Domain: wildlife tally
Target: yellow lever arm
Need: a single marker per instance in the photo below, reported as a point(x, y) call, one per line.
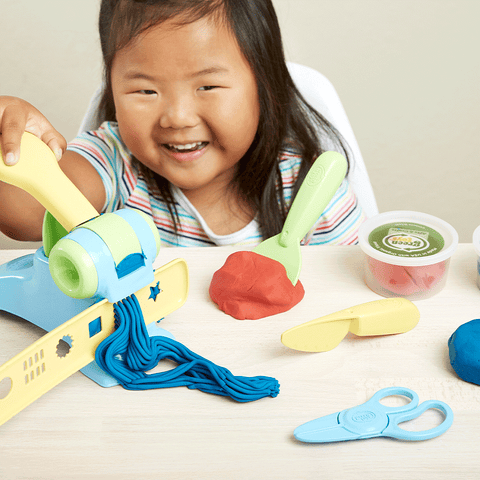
point(37, 172)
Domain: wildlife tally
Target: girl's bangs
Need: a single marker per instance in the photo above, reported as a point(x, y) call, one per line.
point(133, 17)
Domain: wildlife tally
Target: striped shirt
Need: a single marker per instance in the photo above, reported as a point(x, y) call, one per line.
point(126, 187)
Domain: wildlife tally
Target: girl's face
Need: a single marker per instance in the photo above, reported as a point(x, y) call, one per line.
point(186, 103)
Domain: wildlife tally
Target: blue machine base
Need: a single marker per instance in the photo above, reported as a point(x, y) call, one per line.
point(28, 291)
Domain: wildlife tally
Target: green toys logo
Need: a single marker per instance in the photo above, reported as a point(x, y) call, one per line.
point(406, 240)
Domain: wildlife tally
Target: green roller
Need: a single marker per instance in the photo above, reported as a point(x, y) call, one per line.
point(72, 269)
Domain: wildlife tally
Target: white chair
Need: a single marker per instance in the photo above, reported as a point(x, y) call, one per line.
point(320, 93)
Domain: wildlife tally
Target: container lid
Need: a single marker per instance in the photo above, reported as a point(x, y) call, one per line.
point(408, 238)
point(476, 240)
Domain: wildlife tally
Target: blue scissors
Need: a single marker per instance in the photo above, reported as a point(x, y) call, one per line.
point(372, 419)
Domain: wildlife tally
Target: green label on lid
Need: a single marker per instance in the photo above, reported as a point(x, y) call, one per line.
point(405, 239)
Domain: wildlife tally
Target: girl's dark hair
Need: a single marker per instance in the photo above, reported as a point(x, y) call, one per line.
point(285, 116)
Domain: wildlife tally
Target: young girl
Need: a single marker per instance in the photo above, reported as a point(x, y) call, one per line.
point(200, 126)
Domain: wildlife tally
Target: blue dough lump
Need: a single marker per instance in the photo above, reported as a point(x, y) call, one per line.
point(464, 351)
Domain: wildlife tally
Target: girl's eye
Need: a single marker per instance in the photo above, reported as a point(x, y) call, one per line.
point(207, 88)
point(147, 92)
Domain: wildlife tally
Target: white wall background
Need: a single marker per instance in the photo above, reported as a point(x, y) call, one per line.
point(407, 71)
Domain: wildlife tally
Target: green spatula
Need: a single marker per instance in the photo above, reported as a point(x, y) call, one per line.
point(318, 188)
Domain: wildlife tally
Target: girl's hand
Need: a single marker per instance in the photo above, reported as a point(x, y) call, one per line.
point(18, 116)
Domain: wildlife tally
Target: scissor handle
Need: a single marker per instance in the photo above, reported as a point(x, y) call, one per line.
point(394, 391)
point(393, 430)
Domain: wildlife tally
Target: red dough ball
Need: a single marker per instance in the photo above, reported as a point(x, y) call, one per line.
point(251, 286)
point(426, 277)
point(392, 277)
point(406, 280)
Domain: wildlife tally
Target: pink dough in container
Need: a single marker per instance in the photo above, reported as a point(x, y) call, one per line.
point(407, 254)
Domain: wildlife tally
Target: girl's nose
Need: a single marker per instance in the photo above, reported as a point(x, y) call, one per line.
point(179, 112)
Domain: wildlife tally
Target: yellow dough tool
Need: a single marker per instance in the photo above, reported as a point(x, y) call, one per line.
point(381, 317)
point(38, 173)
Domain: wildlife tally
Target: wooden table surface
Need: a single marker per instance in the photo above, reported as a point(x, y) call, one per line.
point(79, 430)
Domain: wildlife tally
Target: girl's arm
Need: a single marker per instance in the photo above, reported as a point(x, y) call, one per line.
point(21, 216)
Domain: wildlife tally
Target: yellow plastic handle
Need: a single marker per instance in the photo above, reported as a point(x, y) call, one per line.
point(44, 365)
point(37, 172)
point(381, 317)
point(388, 316)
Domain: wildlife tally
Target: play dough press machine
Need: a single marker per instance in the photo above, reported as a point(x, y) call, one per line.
point(68, 286)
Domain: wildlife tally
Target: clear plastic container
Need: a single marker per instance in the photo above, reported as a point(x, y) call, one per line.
point(476, 246)
point(407, 254)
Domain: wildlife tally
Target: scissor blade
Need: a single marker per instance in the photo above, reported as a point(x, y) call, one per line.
point(323, 430)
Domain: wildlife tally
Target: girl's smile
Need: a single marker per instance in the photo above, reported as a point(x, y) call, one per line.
point(186, 152)
point(187, 105)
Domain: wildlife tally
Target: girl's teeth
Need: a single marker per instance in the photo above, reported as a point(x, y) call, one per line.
point(185, 147)
point(188, 146)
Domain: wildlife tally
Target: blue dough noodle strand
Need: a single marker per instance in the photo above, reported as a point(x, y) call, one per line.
point(129, 352)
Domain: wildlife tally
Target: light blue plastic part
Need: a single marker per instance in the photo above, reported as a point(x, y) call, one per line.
point(113, 281)
point(28, 291)
point(372, 419)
